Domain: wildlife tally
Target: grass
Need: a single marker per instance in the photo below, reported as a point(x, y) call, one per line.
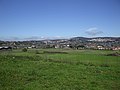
point(73, 70)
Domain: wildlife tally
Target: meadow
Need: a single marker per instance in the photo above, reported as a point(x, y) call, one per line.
point(59, 69)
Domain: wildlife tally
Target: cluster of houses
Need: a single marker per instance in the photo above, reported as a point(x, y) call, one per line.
point(74, 43)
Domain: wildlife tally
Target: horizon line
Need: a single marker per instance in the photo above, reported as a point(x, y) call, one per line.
point(48, 38)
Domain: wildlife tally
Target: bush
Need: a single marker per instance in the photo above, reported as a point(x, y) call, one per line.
point(105, 65)
point(37, 52)
point(24, 49)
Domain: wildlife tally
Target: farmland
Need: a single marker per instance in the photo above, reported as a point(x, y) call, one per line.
point(59, 69)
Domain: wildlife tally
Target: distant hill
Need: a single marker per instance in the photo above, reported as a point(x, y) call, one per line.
point(95, 38)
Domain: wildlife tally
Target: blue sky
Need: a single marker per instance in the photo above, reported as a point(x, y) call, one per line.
point(59, 18)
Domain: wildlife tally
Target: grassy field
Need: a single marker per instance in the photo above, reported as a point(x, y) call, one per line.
point(57, 69)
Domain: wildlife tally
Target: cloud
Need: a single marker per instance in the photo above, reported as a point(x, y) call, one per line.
point(56, 37)
point(9, 38)
point(93, 31)
point(30, 38)
point(14, 38)
point(38, 38)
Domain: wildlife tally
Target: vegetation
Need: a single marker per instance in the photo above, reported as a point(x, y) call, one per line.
point(24, 49)
point(57, 69)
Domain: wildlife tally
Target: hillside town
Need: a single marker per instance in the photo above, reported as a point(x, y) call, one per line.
point(98, 43)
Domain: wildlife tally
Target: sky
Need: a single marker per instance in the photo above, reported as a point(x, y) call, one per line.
point(39, 19)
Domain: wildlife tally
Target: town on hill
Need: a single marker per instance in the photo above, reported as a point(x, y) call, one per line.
point(100, 43)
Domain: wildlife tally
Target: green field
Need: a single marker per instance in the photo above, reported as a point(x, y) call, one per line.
point(58, 69)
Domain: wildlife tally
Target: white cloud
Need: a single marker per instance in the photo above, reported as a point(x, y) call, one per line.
point(93, 31)
point(9, 38)
point(30, 38)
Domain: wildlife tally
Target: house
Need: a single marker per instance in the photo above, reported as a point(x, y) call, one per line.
point(100, 47)
point(116, 48)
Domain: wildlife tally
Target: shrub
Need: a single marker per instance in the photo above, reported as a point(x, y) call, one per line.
point(24, 49)
point(104, 65)
point(37, 52)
